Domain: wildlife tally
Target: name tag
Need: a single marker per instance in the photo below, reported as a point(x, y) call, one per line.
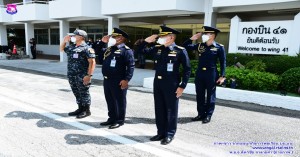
point(170, 67)
point(75, 55)
point(113, 63)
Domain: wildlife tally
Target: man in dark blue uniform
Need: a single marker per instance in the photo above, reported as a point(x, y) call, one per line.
point(207, 75)
point(81, 65)
point(98, 49)
point(168, 83)
point(117, 70)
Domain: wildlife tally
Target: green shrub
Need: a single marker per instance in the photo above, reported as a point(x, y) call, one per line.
point(291, 80)
point(256, 65)
point(253, 80)
point(274, 64)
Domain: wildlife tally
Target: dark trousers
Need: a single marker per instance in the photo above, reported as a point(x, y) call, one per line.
point(205, 83)
point(81, 91)
point(166, 106)
point(33, 52)
point(116, 100)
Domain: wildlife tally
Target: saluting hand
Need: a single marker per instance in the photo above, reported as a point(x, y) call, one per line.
point(151, 39)
point(67, 39)
point(179, 92)
point(105, 39)
point(124, 84)
point(196, 36)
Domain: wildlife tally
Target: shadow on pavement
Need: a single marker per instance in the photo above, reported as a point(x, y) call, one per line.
point(79, 139)
point(43, 122)
point(138, 120)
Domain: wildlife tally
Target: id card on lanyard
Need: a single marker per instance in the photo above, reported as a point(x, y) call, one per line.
point(113, 62)
point(170, 67)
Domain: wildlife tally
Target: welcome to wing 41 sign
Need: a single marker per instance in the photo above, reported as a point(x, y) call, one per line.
point(264, 37)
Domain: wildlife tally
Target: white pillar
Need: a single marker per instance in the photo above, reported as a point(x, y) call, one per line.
point(295, 42)
point(210, 17)
point(25, 1)
point(29, 33)
point(233, 37)
point(112, 22)
point(3, 35)
point(64, 27)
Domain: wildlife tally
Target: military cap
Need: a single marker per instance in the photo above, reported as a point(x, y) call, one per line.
point(79, 32)
point(118, 31)
point(164, 30)
point(207, 29)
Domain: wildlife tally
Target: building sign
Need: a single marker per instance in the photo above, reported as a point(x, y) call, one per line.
point(11, 9)
point(264, 37)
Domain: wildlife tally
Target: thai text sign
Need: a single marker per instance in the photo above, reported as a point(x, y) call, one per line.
point(264, 37)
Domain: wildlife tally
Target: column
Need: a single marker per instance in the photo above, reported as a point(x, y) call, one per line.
point(29, 33)
point(64, 27)
point(210, 17)
point(295, 42)
point(233, 36)
point(3, 35)
point(112, 22)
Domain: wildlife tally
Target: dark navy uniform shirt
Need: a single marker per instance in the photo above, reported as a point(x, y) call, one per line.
point(209, 55)
point(123, 58)
point(78, 58)
point(173, 54)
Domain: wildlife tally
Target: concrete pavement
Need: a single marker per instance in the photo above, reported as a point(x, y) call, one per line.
point(34, 122)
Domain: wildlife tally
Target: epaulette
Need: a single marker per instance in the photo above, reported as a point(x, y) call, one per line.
point(127, 48)
point(182, 48)
point(221, 44)
point(158, 45)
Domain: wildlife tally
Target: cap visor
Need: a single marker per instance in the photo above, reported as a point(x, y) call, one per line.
point(71, 34)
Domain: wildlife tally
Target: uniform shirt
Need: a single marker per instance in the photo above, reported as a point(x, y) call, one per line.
point(78, 58)
point(208, 55)
point(122, 55)
point(173, 54)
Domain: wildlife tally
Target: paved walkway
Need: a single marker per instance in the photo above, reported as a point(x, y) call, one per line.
point(60, 68)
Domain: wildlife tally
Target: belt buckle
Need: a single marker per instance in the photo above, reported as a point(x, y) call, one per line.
point(203, 68)
point(159, 77)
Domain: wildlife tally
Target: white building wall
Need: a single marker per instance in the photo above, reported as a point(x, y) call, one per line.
point(48, 49)
point(230, 3)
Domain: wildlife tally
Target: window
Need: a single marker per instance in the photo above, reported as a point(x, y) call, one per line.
point(54, 36)
point(41, 36)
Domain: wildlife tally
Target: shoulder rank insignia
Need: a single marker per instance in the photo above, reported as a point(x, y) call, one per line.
point(221, 45)
point(126, 47)
point(182, 48)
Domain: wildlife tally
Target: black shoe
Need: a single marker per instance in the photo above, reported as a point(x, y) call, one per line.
point(198, 118)
point(86, 112)
point(206, 119)
point(76, 112)
point(157, 138)
point(106, 123)
point(114, 126)
point(166, 140)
